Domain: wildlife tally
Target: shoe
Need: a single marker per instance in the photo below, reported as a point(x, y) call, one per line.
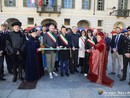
point(85, 75)
point(119, 76)
point(2, 79)
point(129, 83)
point(50, 75)
point(112, 73)
point(76, 70)
point(14, 79)
point(81, 72)
point(122, 79)
point(72, 72)
point(67, 74)
point(55, 74)
point(61, 74)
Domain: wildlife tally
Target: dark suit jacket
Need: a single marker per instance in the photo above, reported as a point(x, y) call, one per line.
point(48, 42)
point(120, 44)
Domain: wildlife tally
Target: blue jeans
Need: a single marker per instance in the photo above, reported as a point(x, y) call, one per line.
point(64, 65)
point(44, 62)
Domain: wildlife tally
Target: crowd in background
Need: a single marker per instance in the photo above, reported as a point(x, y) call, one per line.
point(67, 51)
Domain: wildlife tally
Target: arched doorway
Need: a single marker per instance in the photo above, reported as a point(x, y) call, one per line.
point(83, 24)
point(10, 21)
point(47, 22)
point(119, 24)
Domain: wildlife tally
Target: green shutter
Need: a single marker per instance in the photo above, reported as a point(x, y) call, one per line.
point(119, 4)
point(125, 4)
point(55, 2)
point(6, 3)
point(24, 3)
point(62, 3)
point(82, 4)
point(89, 5)
point(73, 3)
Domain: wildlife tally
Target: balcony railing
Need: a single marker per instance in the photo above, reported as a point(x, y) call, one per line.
point(122, 13)
point(49, 9)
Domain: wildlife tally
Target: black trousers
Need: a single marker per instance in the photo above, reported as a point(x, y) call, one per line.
point(86, 68)
point(74, 61)
point(82, 64)
point(17, 64)
point(8, 62)
point(1, 65)
point(126, 61)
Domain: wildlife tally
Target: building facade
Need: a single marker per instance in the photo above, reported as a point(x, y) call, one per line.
point(100, 14)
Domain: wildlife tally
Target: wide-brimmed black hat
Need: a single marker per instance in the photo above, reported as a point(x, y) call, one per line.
point(17, 23)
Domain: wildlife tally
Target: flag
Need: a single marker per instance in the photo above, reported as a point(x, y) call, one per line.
point(51, 3)
point(40, 2)
point(32, 1)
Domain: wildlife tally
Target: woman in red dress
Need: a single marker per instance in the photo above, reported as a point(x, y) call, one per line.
point(98, 62)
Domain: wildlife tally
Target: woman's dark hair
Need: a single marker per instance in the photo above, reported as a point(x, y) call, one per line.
point(82, 32)
point(89, 31)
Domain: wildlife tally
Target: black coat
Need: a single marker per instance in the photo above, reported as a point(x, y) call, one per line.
point(120, 44)
point(34, 68)
point(64, 54)
point(2, 42)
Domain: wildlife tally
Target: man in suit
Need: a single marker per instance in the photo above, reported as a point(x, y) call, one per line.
point(50, 41)
point(126, 55)
point(117, 52)
point(5, 33)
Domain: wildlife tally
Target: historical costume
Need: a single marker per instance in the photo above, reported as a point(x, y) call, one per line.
point(98, 62)
point(33, 68)
point(15, 45)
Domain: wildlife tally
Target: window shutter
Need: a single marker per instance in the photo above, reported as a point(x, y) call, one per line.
point(73, 3)
point(125, 4)
point(62, 3)
point(89, 5)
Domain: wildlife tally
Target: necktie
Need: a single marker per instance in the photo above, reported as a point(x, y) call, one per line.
point(116, 41)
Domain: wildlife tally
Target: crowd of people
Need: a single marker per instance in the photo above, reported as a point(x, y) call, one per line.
point(72, 51)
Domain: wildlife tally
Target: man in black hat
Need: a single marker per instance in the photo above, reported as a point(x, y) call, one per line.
point(17, 44)
point(126, 55)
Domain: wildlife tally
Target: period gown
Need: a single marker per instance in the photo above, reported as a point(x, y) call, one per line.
point(98, 62)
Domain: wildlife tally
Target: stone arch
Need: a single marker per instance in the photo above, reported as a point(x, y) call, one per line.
point(47, 22)
point(10, 21)
point(83, 23)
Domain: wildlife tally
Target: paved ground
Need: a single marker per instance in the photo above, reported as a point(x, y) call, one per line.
point(75, 86)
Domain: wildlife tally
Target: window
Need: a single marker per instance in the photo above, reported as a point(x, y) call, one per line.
point(86, 4)
point(100, 5)
point(50, 2)
point(66, 21)
point(29, 3)
point(68, 3)
point(122, 4)
point(10, 3)
point(30, 21)
point(100, 22)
